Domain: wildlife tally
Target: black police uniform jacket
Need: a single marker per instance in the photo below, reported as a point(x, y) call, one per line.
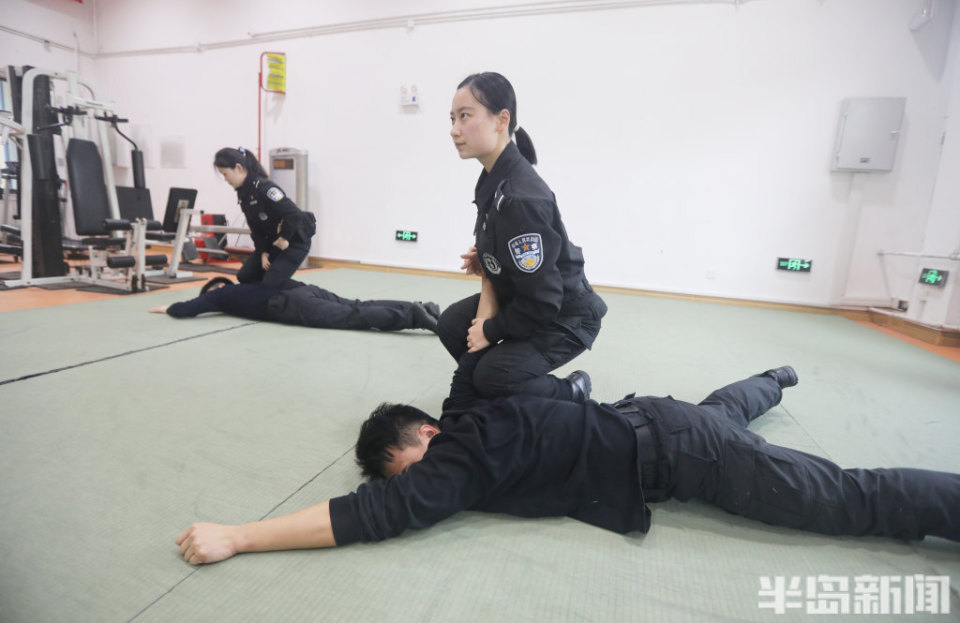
point(522, 245)
point(521, 455)
point(266, 205)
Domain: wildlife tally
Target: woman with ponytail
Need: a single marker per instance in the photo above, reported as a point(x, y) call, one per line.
point(280, 230)
point(536, 310)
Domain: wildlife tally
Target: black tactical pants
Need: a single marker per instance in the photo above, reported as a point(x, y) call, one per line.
point(282, 265)
point(311, 306)
point(512, 366)
point(707, 453)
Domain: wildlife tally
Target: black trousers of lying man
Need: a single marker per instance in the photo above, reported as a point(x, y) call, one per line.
point(598, 463)
point(305, 305)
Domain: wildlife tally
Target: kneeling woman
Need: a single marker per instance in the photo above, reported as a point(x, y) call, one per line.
point(280, 230)
point(536, 310)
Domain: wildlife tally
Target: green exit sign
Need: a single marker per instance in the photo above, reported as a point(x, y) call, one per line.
point(934, 277)
point(406, 235)
point(794, 264)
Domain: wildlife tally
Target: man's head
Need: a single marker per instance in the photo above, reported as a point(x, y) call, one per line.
point(215, 284)
point(393, 438)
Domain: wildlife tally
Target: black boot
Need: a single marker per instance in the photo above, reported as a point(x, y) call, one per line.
point(423, 319)
point(785, 376)
point(433, 309)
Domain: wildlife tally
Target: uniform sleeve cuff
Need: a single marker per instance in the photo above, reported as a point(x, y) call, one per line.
point(344, 520)
point(492, 330)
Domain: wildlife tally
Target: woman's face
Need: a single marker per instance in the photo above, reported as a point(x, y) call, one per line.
point(476, 132)
point(234, 176)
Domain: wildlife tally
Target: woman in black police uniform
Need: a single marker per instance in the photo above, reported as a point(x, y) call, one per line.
point(536, 311)
point(280, 230)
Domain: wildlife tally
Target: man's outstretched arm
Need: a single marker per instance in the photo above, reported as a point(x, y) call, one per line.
point(304, 529)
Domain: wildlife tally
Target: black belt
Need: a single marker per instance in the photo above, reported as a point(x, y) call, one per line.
point(647, 447)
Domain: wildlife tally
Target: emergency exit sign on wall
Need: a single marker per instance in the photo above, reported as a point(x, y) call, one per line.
point(406, 235)
point(794, 264)
point(934, 277)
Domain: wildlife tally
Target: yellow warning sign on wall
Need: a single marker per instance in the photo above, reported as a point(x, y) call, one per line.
point(276, 76)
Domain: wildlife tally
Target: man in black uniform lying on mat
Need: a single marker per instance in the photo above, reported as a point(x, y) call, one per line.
point(301, 304)
point(599, 463)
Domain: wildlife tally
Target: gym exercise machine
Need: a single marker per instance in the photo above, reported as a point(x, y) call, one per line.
point(116, 247)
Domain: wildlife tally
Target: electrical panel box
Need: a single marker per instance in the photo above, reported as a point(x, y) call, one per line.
point(867, 133)
point(288, 169)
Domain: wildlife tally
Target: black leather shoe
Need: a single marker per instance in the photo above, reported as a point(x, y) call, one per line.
point(785, 376)
point(580, 386)
point(423, 319)
point(433, 309)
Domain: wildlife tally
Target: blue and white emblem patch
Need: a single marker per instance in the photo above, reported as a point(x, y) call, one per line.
point(527, 252)
point(275, 194)
point(491, 264)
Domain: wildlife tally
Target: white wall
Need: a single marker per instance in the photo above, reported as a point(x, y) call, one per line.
point(67, 25)
point(689, 145)
point(942, 237)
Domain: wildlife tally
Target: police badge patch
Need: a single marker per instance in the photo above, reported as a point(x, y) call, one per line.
point(275, 194)
point(527, 252)
point(491, 263)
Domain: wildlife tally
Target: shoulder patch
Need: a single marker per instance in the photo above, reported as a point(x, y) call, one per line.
point(274, 194)
point(491, 263)
point(527, 252)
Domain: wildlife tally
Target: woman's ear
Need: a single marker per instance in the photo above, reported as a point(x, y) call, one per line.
point(503, 121)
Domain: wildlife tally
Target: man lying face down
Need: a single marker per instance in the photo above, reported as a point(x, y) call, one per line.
point(598, 463)
point(306, 305)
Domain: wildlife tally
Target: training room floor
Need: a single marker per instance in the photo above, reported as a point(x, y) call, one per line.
point(119, 428)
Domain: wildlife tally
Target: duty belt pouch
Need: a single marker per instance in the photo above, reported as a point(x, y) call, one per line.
point(652, 471)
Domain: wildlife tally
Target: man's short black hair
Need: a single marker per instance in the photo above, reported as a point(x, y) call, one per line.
point(390, 426)
point(216, 282)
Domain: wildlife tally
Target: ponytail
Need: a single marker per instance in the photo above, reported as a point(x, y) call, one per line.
point(525, 145)
point(228, 158)
point(496, 93)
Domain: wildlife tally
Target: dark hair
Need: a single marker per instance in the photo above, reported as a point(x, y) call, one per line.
point(496, 93)
point(390, 426)
point(216, 282)
point(228, 157)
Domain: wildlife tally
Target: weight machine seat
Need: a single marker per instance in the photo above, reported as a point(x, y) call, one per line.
point(135, 203)
point(104, 242)
point(91, 208)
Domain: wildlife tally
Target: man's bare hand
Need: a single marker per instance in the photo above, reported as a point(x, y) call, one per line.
point(204, 543)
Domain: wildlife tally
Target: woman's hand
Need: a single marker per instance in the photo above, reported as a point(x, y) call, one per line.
point(476, 340)
point(471, 263)
point(265, 260)
point(158, 310)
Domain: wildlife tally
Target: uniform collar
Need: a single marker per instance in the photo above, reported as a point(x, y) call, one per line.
point(248, 185)
point(488, 182)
